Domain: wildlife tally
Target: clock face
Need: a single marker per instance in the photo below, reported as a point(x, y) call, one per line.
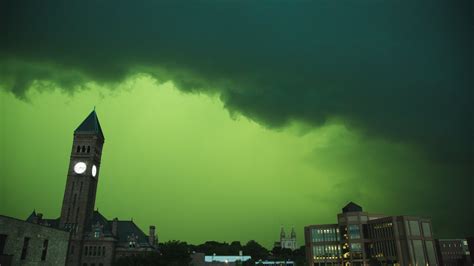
point(80, 167)
point(94, 170)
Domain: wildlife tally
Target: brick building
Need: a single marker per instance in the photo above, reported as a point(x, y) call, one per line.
point(95, 240)
point(23, 243)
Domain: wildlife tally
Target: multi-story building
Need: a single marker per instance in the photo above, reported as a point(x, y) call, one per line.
point(94, 239)
point(453, 252)
point(361, 238)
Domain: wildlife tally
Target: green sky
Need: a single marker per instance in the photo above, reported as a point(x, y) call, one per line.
point(225, 120)
point(182, 162)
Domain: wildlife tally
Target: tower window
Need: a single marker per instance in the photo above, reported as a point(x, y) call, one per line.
point(85, 250)
point(77, 214)
point(74, 200)
point(83, 148)
point(88, 149)
point(78, 148)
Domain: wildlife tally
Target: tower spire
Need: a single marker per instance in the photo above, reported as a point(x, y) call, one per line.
point(90, 125)
point(282, 233)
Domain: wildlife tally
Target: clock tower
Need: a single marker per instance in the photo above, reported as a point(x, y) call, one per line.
point(82, 178)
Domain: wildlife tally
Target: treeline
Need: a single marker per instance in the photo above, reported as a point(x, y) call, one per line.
point(179, 253)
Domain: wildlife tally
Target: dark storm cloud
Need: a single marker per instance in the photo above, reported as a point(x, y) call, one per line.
point(395, 69)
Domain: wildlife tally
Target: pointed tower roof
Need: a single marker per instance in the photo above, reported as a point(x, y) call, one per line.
point(90, 125)
point(282, 232)
point(352, 207)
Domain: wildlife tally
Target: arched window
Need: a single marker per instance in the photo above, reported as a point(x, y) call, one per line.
point(78, 148)
point(85, 251)
point(88, 149)
point(83, 148)
point(103, 251)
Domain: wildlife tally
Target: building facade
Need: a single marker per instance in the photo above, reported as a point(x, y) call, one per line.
point(94, 239)
point(453, 252)
point(23, 243)
point(287, 242)
point(361, 238)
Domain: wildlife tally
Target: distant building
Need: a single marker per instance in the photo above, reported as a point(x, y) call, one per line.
point(23, 243)
point(95, 240)
point(470, 244)
point(360, 238)
point(287, 242)
point(453, 252)
point(275, 262)
point(200, 259)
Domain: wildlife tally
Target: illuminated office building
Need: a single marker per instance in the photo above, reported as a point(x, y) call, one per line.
point(361, 238)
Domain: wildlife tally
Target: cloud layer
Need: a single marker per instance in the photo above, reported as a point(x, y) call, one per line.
point(400, 70)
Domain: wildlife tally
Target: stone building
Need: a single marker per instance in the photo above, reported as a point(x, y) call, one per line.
point(23, 243)
point(95, 240)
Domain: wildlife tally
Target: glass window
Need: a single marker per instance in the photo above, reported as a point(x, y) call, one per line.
point(419, 255)
point(426, 229)
point(414, 228)
point(430, 252)
point(354, 231)
point(356, 247)
point(352, 218)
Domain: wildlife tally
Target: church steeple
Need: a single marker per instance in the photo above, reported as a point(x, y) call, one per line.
point(90, 125)
point(293, 233)
point(282, 233)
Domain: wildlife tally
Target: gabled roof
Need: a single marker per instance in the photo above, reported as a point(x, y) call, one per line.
point(128, 228)
point(98, 218)
point(125, 229)
point(90, 125)
point(352, 207)
point(32, 217)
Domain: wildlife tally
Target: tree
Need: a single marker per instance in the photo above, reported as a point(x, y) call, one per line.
point(255, 250)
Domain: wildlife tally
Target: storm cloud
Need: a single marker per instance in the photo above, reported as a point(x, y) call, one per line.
point(400, 70)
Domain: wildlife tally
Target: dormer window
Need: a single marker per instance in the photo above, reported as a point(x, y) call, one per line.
point(97, 230)
point(132, 241)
